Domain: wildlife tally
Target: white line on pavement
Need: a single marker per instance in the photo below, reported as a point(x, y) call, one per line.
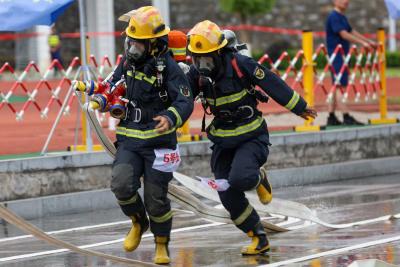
point(333, 252)
point(48, 252)
point(82, 228)
point(55, 251)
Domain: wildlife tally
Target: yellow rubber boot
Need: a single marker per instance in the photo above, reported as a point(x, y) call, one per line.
point(133, 238)
point(162, 252)
point(264, 188)
point(259, 243)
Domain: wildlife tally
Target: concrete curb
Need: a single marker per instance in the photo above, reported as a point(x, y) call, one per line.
point(103, 199)
point(69, 203)
point(202, 148)
point(334, 172)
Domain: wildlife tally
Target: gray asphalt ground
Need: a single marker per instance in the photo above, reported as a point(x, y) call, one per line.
point(219, 245)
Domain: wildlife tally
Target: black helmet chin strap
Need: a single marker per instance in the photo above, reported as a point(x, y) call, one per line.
point(159, 47)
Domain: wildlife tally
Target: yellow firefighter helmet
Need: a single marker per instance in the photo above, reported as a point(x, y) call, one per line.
point(206, 37)
point(146, 23)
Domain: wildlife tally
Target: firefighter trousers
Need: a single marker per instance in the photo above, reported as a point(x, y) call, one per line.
point(240, 167)
point(127, 169)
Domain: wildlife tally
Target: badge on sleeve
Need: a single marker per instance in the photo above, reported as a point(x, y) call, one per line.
point(184, 90)
point(259, 73)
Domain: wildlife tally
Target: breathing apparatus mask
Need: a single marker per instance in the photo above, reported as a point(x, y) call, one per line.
point(204, 65)
point(136, 50)
point(207, 64)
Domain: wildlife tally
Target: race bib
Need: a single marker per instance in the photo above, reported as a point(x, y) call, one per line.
point(219, 184)
point(167, 160)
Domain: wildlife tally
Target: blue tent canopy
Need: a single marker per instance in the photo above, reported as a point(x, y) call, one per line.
point(19, 15)
point(393, 7)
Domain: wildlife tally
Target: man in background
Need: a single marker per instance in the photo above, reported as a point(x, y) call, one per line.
point(55, 47)
point(339, 31)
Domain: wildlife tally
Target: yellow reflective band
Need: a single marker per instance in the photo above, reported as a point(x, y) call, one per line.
point(129, 201)
point(150, 80)
point(178, 51)
point(245, 214)
point(147, 134)
point(239, 130)
point(178, 117)
point(141, 76)
point(163, 218)
point(54, 40)
point(293, 101)
point(227, 99)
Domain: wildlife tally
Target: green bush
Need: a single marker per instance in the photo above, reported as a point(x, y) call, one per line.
point(393, 59)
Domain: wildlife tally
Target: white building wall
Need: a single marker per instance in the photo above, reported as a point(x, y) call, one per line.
point(100, 19)
point(42, 49)
point(392, 37)
point(163, 6)
point(26, 50)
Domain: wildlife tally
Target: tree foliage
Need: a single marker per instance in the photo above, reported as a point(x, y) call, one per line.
point(246, 8)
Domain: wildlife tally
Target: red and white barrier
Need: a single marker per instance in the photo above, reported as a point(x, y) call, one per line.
point(364, 79)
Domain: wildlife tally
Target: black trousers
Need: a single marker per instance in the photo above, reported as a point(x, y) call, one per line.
point(240, 166)
point(127, 169)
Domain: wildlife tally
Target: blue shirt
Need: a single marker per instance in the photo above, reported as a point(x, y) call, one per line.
point(336, 23)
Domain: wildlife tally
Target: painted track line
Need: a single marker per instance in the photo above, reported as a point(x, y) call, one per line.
point(55, 251)
point(334, 251)
point(81, 228)
point(120, 240)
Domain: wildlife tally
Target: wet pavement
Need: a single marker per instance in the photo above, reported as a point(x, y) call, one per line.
point(213, 244)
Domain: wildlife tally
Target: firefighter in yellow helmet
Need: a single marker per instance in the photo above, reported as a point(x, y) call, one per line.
point(225, 81)
point(55, 47)
point(159, 101)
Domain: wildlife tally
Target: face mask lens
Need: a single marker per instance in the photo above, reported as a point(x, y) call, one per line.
point(134, 49)
point(204, 64)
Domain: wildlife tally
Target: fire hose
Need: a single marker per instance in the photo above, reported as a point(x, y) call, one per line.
point(183, 196)
point(277, 206)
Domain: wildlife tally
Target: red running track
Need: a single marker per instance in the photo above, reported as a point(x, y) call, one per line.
point(29, 135)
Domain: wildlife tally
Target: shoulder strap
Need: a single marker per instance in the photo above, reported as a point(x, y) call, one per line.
point(259, 95)
point(124, 66)
point(204, 104)
point(245, 83)
point(161, 75)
